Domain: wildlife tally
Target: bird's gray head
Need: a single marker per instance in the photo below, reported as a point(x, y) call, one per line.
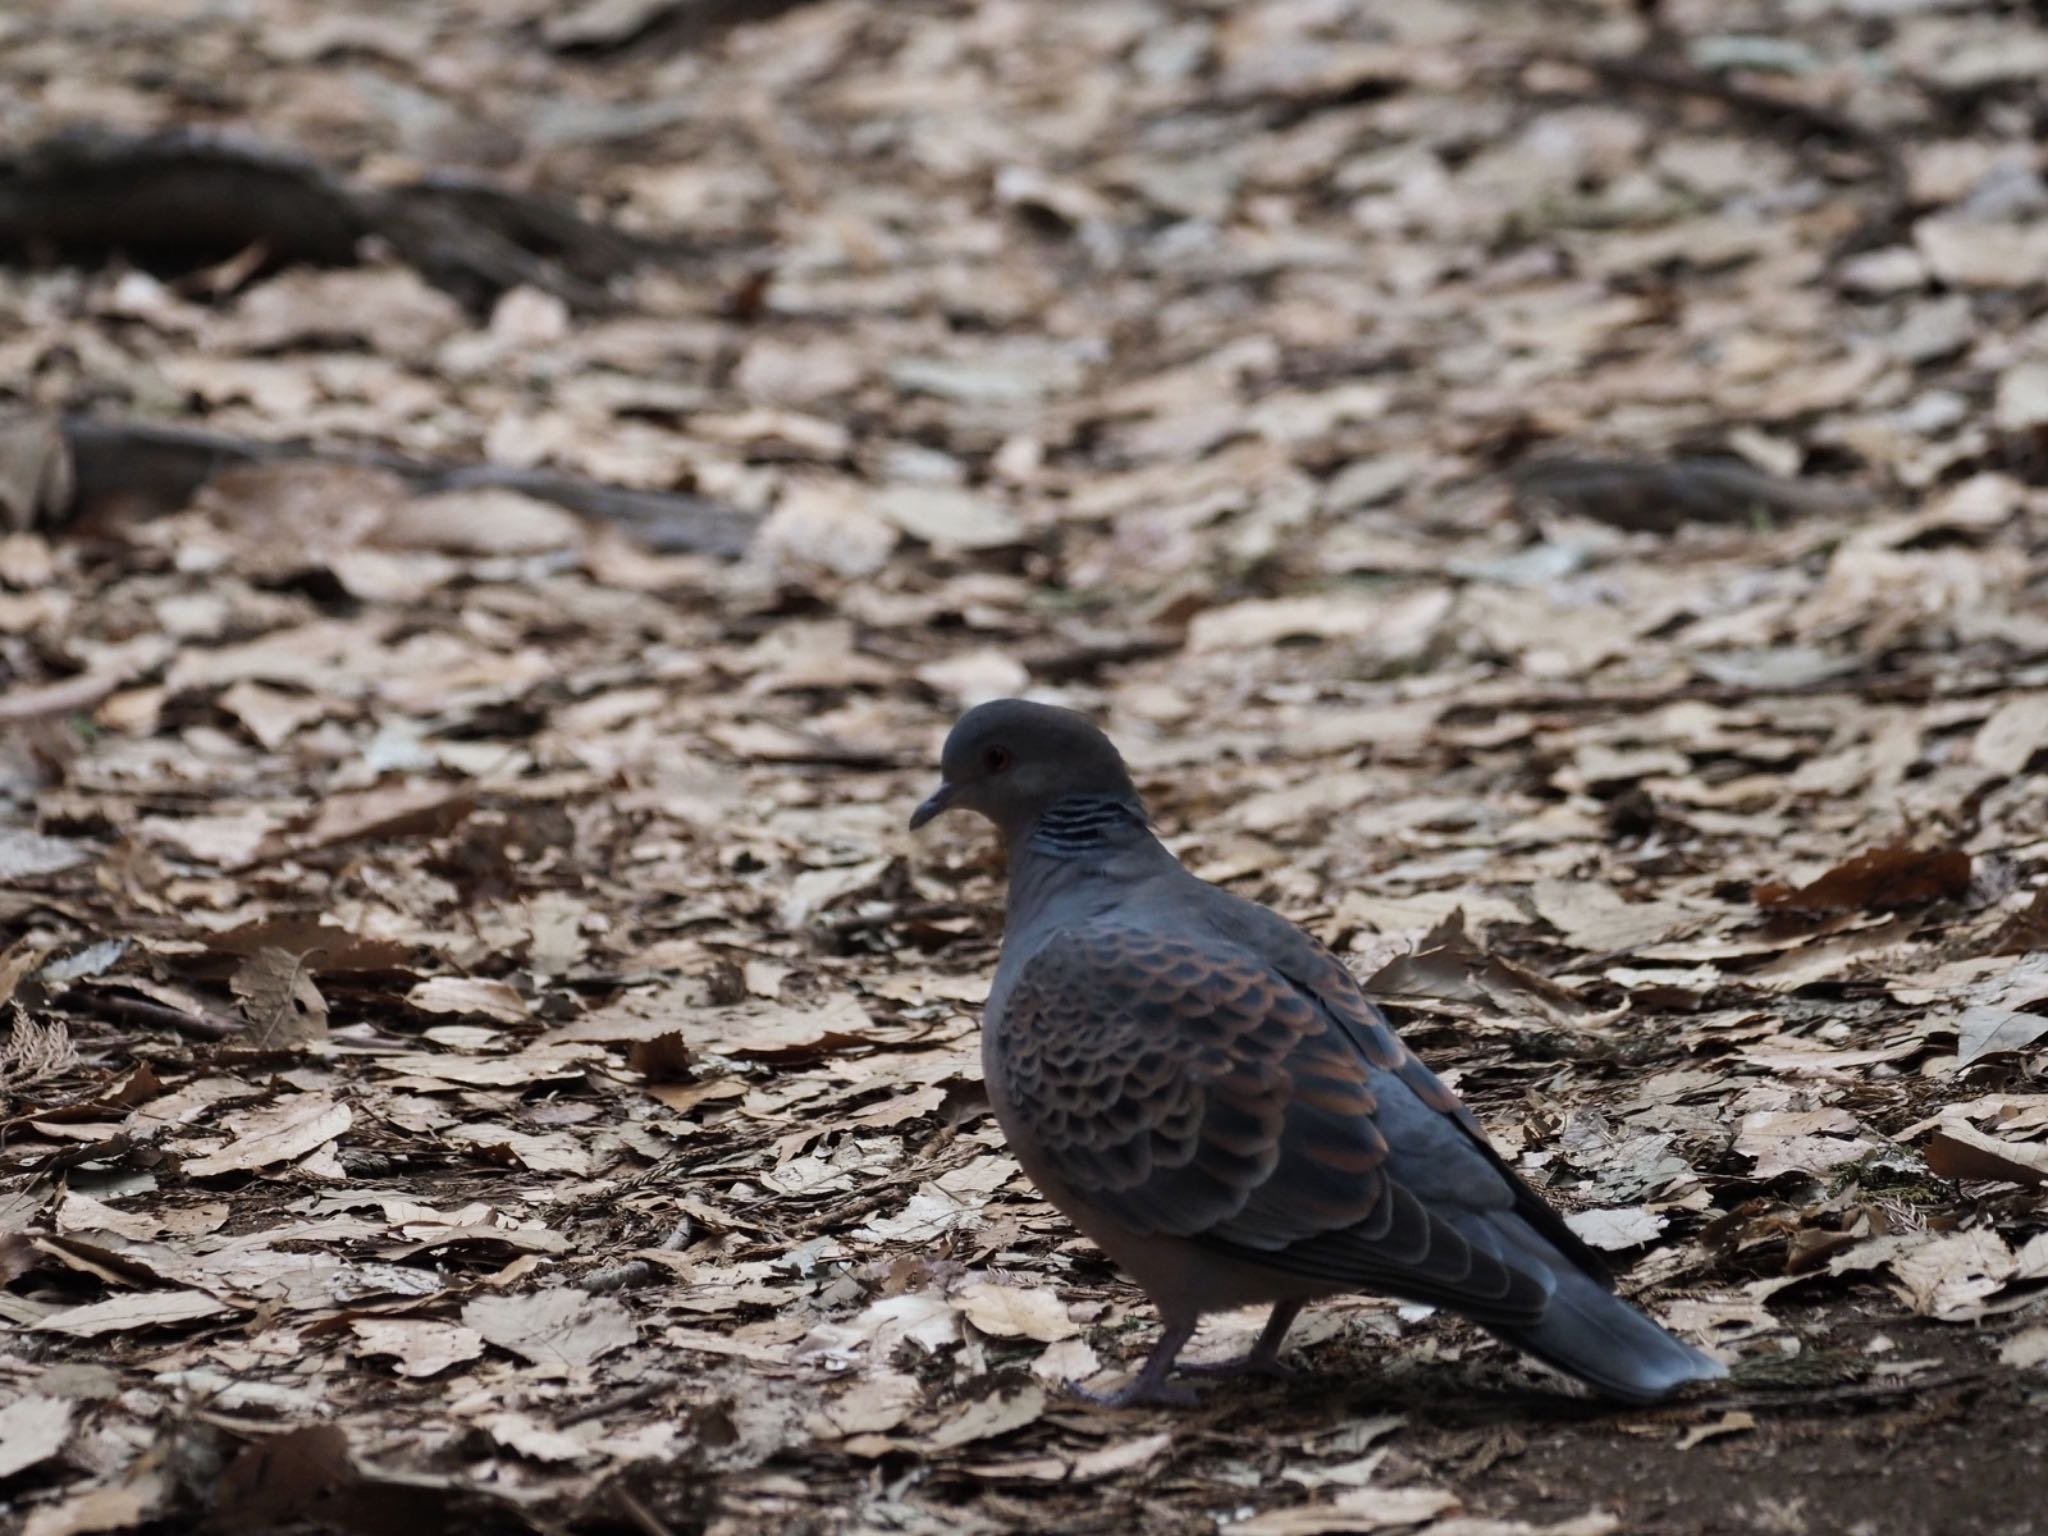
point(1010, 759)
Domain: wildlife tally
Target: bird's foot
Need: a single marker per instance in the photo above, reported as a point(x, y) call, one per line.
point(1139, 1393)
point(1263, 1367)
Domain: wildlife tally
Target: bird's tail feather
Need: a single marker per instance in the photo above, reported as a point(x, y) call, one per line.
point(1588, 1332)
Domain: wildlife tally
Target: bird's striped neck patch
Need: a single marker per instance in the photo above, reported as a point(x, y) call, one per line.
point(1085, 823)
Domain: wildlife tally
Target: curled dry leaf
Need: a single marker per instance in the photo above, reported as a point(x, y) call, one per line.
point(1958, 1151)
point(1448, 964)
point(542, 1152)
point(1951, 1275)
point(873, 1403)
point(764, 1029)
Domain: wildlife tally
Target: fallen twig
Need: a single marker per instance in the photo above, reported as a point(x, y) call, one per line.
point(156, 468)
point(198, 1026)
point(185, 200)
point(617, 1277)
point(1847, 1392)
point(1656, 497)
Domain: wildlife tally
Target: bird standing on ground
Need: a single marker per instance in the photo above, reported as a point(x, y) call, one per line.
point(1206, 1093)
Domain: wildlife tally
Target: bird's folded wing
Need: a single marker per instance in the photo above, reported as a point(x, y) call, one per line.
point(1187, 1088)
point(1316, 971)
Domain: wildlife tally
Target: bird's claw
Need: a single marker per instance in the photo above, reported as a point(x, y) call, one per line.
point(1140, 1393)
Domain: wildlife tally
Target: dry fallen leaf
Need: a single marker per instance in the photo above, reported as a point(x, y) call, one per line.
point(1877, 881)
point(1734, 1422)
point(283, 1006)
point(141, 1309)
point(1985, 1031)
point(1560, 492)
point(1950, 1276)
point(469, 994)
point(32, 1430)
point(1355, 1510)
point(287, 1129)
point(1959, 1152)
point(1800, 1141)
point(1013, 1311)
point(107, 1507)
point(999, 1412)
point(2026, 1349)
point(421, 1346)
point(559, 1329)
point(1618, 1228)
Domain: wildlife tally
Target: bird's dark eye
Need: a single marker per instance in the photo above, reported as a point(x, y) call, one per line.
point(996, 759)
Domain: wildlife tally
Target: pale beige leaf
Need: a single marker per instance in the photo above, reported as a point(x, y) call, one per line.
point(525, 1436)
point(277, 1133)
point(138, 1309)
point(1800, 1141)
point(32, 1430)
point(1616, 1228)
point(470, 994)
point(998, 1413)
point(948, 516)
point(1354, 1510)
point(486, 521)
point(1015, 1311)
point(116, 1507)
point(421, 1346)
point(1984, 1031)
point(871, 1404)
point(1949, 1276)
point(2026, 1349)
point(81, 1213)
point(542, 1152)
point(560, 1328)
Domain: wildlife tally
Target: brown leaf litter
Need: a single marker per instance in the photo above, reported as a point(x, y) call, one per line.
point(477, 1044)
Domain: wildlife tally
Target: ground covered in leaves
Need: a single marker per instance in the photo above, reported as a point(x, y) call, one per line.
point(1552, 496)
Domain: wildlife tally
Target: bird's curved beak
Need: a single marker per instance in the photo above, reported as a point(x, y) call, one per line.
point(939, 800)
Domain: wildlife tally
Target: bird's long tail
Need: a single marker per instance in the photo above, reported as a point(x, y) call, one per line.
point(1588, 1332)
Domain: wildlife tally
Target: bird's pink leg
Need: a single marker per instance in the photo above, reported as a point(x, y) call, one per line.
point(1264, 1358)
point(1150, 1385)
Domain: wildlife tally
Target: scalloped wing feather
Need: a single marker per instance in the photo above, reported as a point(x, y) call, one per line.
point(1189, 1089)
